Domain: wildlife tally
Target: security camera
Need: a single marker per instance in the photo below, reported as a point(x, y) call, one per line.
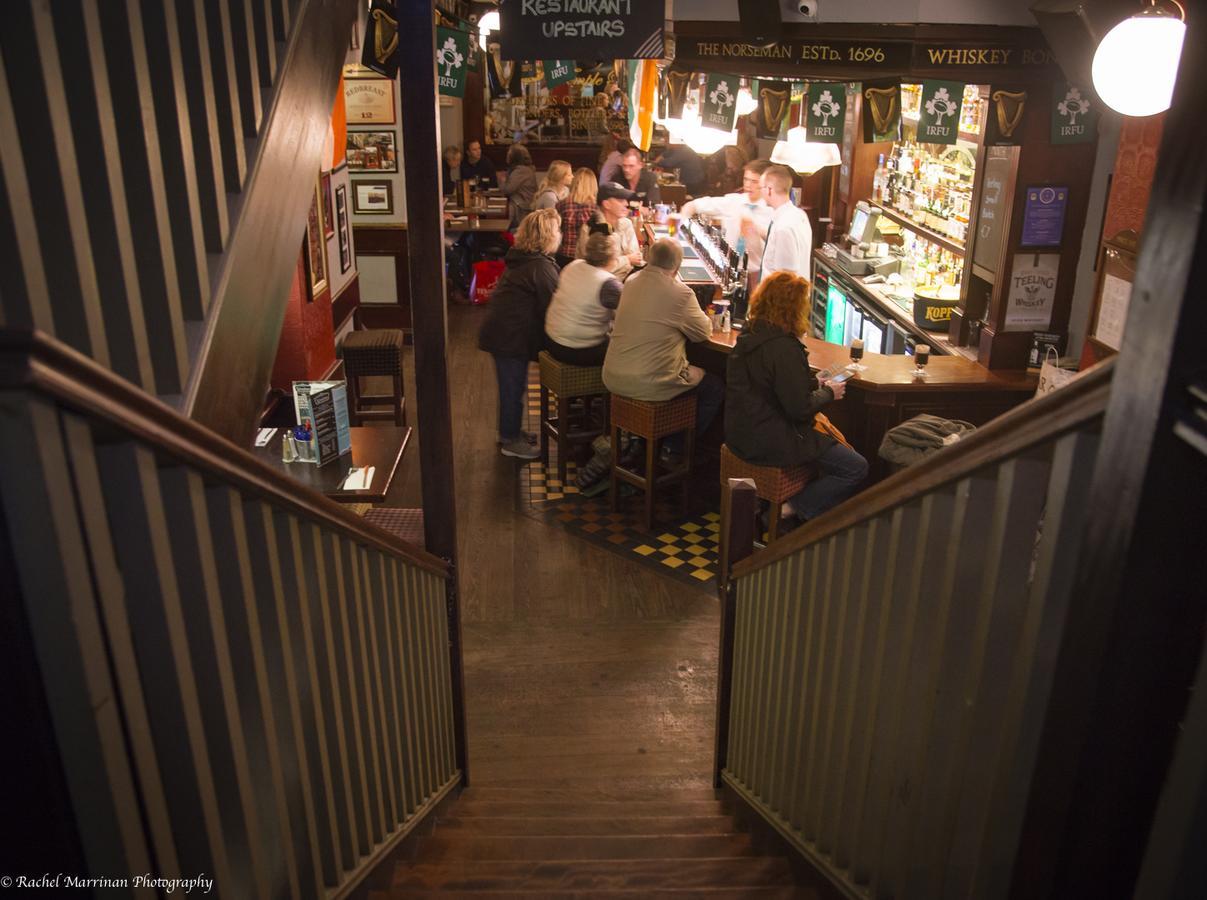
point(807, 8)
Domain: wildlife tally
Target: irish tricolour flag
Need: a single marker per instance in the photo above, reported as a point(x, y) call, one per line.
point(643, 92)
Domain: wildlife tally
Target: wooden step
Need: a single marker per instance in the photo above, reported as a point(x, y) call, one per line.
point(678, 846)
point(723, 893)
point(620, 794)
point(466, 808)
point(566, 825)
point(639, 875)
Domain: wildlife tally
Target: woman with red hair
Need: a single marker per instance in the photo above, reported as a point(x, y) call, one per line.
point(772, 397)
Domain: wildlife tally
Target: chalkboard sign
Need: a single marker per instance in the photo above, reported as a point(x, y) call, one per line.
point(992, 219)
point(581, 29)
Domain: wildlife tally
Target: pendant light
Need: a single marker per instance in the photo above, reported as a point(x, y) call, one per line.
point(805, 156)
point(1136, 64)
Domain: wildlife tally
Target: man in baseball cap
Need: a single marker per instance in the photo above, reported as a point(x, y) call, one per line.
point(613, 210)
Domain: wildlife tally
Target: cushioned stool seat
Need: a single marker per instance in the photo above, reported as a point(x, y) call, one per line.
point(404, 523)
point(374, 351)
point(775, 484)
point(568, 383)
point(651, 421)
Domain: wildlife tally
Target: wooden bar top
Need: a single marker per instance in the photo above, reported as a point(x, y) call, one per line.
point(894, 373)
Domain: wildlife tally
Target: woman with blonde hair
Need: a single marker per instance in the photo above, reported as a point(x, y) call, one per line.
point(554, 187)
point(576, 210)
point(772, 398)
point(514, 329)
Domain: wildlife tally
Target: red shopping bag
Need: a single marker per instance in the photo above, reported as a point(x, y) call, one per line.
point(486, 273)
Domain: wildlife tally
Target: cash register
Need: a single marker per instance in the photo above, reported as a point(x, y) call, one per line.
point(854, 259)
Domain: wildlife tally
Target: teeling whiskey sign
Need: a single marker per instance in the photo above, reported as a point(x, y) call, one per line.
point(887, 56)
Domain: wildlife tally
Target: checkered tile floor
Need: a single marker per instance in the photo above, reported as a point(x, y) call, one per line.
point(685, 549)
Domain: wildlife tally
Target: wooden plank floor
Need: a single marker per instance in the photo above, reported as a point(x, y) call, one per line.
point(581, 666)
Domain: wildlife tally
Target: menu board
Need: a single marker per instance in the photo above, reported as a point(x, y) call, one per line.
point(992, 217)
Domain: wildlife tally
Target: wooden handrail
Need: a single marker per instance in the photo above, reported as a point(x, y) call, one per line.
point(35, 361)
point(1006, 436)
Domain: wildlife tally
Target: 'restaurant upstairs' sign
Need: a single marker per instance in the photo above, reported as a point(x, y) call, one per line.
point(581, 29)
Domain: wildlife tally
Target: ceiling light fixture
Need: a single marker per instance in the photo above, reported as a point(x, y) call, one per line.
point(1136, 64)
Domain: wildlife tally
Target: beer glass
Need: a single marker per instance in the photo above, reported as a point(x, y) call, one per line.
point(856, 355)
point(921, 358)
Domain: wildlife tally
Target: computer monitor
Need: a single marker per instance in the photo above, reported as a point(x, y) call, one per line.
point(873, 335)
point(836, 315)
point(854, 324)
point(863, 224)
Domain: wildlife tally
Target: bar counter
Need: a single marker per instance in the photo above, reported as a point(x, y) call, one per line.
point(887, 392)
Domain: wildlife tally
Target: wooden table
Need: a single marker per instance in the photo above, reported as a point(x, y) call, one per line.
point(477, 225)
point(380, 446)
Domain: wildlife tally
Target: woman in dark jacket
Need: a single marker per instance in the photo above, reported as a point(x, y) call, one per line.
point(514, 329)
point(772, 398)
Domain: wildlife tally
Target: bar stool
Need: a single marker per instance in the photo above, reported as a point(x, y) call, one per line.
point(403, 523)
point(568, 383)
point(652, 420)
point(374, 352)
point(775, 484)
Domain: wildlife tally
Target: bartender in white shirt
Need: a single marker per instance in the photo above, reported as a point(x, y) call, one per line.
point(789, 239)
point(745, 214)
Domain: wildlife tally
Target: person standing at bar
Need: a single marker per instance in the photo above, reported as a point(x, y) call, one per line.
point(689, 164)
point(514, 330)
point(745, 213)
point(639, 179)
point(789, 240)
point(475, 165)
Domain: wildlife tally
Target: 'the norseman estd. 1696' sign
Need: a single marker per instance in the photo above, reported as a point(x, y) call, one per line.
point(581, 29)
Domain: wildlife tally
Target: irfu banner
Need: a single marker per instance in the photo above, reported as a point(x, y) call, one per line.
point(452, 56)
point(939, 121)
point(1074, 118)
point(718, 106)
point(825, 112)
point(558, 71)
point(881, 111)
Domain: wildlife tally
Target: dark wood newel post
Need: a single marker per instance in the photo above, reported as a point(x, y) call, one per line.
point(738, 505)
point(425, 252)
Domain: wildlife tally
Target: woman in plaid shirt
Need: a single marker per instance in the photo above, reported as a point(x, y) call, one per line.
point(576, 211)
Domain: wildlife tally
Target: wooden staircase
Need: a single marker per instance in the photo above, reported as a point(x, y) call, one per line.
point(520, 842)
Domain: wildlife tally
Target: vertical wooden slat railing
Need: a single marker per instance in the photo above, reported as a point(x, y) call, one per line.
point(163, 117)
point(240, 677)
point(892, 661)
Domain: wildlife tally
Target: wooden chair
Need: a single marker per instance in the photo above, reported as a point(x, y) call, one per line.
point(772, 483)
point(368, 353)
point(568, 383)
point(651, 421)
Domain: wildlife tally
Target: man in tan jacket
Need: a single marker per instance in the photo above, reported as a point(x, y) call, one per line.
point(647, 356)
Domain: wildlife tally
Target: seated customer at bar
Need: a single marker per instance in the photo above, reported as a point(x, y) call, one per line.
point(580, 314)
point(614, 210)
point(450, 169)
point(647, 356)
point(576, 210)
point(475, 165)
point(772, 398)
point(554, 187)
point(638, 179)
point(514, 330)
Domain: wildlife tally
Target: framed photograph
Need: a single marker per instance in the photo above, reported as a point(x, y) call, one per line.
point(372, 151)
point(325, 196)
point(369, 101)
point(341, 226)
point(316, 246)
point(373, 197)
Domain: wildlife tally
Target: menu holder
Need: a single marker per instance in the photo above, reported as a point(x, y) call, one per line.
point(324, 405)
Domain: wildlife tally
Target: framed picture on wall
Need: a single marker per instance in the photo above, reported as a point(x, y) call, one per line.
point(341, 226)
point(369, 101)
point(370, 198)
point(316, 246)
point(325, 196)
point(372, 151)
